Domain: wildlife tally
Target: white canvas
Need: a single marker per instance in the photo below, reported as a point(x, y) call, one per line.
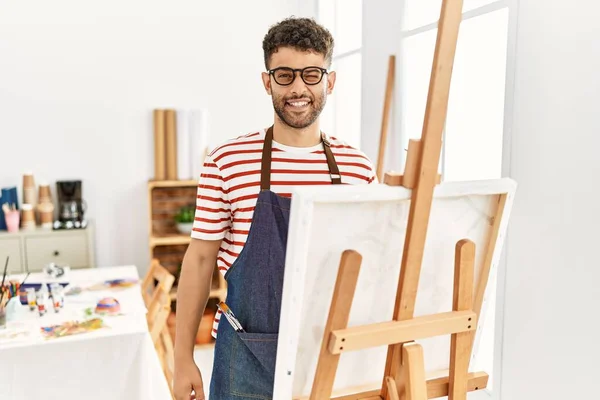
point(372, 219)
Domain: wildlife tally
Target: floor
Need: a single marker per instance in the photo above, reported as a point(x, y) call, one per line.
point(204, 361)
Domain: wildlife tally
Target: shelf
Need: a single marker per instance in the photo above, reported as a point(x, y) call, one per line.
point(165, 242)
point(169, 240)
point(39, 231)
point(169, 184)
point(214, 294)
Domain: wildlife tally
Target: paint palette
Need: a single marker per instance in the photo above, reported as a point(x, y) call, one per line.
point(108, 305)
point(72, 328)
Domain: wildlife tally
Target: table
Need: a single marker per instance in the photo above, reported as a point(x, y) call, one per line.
point(116, 362)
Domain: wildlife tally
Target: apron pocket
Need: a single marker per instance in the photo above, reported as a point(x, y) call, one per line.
point(252, 364)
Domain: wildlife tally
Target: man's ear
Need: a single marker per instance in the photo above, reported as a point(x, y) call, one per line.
point(267, 82)
point(330, 81)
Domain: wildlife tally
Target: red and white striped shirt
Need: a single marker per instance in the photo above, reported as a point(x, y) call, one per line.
point(230, 183)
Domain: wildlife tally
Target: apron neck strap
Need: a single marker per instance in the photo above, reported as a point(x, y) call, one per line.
point(265, 170)
point(334, 172)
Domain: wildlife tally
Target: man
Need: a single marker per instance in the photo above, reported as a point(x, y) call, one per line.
point(243, 211)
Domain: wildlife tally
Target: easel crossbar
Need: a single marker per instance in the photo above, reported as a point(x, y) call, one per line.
point(392, 332)
point(436, 388)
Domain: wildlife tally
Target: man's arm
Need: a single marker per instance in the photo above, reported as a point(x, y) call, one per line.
point(211, 224)
point(192, 294)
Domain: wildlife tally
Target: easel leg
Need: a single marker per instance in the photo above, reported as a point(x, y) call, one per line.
point(339, 313)
point(414, 367)
point(400, 372)
point(460, 345)
point(392, 389)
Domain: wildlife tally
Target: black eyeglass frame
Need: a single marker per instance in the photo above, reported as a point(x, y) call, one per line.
point(301, 70)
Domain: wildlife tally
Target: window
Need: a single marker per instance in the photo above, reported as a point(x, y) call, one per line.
point(474, 124)
point(420, 13)
point(342, 115)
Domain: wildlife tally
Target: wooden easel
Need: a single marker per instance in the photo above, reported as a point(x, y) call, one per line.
point(394, 179)
point(385, 120)
point(404, 376)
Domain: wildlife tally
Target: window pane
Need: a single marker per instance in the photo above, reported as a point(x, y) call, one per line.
point(348, 26)
point(474, 126)
point(474, 122)
point(344, 20)
point(414, 71)
point(418, 13)
point(327, 118)
point(327, 15)
point(347, 94)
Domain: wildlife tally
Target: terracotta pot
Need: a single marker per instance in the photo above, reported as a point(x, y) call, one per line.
point(171, 325)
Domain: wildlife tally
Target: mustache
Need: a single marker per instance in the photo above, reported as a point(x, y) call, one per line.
point(300, 96)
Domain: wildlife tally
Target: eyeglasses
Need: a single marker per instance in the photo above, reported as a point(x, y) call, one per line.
point(285, 76)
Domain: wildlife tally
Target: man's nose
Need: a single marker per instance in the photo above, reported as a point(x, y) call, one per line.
point(298, 86)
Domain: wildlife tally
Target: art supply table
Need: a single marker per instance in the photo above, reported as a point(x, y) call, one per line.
point(117, 361)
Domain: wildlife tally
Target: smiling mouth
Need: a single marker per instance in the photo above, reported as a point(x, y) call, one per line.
point(297, 104)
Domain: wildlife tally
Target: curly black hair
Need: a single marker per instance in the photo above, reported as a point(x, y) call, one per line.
point(301, 34)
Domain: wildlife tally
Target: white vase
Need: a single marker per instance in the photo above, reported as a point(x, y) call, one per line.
point(185, 227)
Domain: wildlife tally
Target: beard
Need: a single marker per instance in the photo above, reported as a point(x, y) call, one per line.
point(299, 119)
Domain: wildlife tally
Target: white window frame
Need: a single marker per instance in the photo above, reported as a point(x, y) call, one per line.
point(334, 60)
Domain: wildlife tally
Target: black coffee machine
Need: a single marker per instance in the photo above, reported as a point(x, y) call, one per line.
point(71, 206)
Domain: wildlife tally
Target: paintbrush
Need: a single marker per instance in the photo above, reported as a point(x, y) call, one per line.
point(230, 317)
point(18, 285)
point(24, 279)
point(4, 278)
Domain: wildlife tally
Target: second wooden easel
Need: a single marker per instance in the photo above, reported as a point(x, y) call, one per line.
point(404, 376)
point(407, 179)
point(385, 120)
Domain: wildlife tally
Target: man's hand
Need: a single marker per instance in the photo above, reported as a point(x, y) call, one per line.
point(187, 378)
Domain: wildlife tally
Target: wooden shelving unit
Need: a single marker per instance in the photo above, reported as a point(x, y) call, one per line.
point(172, 184)
point(171, 240)
point(168, 245)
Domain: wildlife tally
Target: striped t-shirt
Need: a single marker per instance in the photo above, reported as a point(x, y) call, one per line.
point(230, 183)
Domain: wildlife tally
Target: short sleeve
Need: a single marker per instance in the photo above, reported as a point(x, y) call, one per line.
point(213, 208)
point(371, 176)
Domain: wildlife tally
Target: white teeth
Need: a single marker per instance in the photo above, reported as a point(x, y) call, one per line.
point(299, 103)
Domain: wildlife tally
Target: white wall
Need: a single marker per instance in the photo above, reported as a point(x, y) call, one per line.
point(551, 329)
point(79, 80)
